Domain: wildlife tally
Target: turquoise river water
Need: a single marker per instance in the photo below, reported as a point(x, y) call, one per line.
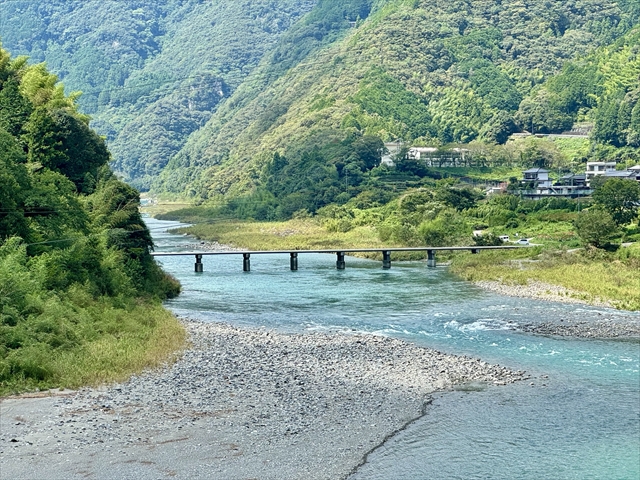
point(580, 418)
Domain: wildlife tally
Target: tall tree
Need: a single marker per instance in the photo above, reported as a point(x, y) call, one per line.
point(595, 227)
point(620, 198)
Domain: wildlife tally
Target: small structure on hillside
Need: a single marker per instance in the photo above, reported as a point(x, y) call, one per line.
point(392, 149)
point(537, 177)
point(433, 157)
point(572, 180)
point(497, 189)
point(599, 168)
point(421, 153)
point(631, 174)
point(541, 186)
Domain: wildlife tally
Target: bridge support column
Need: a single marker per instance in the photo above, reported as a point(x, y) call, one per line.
point(198, 266)
point(246, 263)
point(340, 263)
point(294, 262)
point(386, 260)
point(431, 258)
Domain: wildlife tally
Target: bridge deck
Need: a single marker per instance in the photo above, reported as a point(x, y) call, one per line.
point(334, 250)
point(340, 263)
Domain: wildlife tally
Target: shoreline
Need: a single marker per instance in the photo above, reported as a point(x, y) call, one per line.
point(605, 328)
point(240, 403)
point(541, 291)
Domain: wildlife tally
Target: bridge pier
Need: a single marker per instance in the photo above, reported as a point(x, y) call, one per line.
point(431, 258)
point(246, 262)
point(340, 263)
point(386, 260)
point(198, 266)
point(293, 261)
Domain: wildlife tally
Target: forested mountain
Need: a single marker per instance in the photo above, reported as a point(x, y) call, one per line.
point(289, 101)
point(151, 72)
point(424, 71)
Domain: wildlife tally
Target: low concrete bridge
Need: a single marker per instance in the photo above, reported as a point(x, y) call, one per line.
point(340, 254)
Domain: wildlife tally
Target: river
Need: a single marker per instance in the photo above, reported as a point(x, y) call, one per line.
point(578, 416)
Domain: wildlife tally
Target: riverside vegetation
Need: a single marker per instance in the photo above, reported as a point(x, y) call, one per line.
point(79, 292)
point(576, 243)
point(289, 124)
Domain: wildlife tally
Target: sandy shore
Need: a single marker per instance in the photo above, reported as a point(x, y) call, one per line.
point(608, 326)
point(239, 404)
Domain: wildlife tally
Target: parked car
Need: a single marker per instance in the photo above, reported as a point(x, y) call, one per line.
point(523, 241)
point(504, 238)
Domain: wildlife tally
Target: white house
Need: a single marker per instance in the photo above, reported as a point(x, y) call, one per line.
point(392, 149)
point(599, 168)
point(539, 176)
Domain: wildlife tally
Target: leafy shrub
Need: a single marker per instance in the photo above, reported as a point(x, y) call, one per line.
point(595, 227)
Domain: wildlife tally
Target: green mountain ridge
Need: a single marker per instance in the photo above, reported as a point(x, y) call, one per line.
point(209, 100)
point(151, 72)
point(416, 70)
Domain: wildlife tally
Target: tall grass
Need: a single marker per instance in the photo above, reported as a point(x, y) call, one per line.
point(594, 275)
point(69, 319)
point(306, 234)
point(110, 344)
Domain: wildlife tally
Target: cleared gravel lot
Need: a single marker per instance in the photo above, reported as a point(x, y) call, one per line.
point(239, 404)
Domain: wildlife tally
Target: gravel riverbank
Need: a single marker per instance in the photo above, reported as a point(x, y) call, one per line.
point(540, 291)
point(239, 404)
point(211, 247)
point(608, 326)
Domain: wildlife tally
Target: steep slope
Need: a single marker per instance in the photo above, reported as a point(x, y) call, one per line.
point(79, 290)
point(419, 70)
point(151, 72)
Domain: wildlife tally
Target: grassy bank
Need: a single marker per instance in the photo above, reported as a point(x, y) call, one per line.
point(302, 234)
point(294, 234)
point(94, 344)
point(81, 316)
point(612, 277)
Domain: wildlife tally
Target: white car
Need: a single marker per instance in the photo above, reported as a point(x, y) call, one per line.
point(523, 241)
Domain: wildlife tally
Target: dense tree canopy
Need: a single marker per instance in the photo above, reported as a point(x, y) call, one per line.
point(620, 198)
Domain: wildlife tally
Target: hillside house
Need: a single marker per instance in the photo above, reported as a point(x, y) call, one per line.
point(572, 180)
point(539, 177)
point(392, 149)
point(421, 153)
point(599, 168)
point(570, 186)
point(429, 156)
